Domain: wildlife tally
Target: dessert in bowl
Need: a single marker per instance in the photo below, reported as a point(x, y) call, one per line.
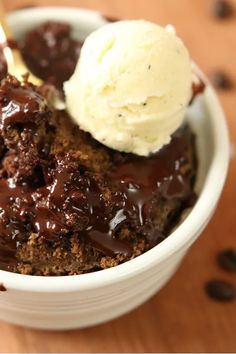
point(86, 299)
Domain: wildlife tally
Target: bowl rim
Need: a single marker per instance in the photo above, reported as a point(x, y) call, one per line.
point(182, 235)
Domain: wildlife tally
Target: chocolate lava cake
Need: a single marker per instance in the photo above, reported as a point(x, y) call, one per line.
point(68, 204)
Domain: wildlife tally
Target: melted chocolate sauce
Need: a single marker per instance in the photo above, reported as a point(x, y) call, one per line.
point(22, 107)
point(142, 182)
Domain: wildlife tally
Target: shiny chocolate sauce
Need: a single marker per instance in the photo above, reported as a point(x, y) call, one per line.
point(138, 184)
point(22, 106)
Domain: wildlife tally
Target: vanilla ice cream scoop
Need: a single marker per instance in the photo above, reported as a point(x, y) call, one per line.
point(131, 86)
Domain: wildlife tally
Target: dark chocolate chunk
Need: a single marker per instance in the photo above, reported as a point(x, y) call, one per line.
point(227, 260)
point(221, 9)
point(2, 287)
point(221, 80)
point(220, 290)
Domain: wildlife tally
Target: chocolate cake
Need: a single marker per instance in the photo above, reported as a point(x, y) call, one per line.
point(50, 52)
point(68, 204)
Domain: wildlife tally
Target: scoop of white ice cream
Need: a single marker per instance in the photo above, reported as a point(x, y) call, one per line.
point(131, 86)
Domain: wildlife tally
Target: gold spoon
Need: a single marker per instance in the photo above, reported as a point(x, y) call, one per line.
point(15, 62)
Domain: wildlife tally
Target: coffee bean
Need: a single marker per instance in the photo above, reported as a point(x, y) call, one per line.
point(221, 9)
point(221, 80)
point(220, 290)
point(227, 260)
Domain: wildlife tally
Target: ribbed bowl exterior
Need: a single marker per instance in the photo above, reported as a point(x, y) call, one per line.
point(84, 308)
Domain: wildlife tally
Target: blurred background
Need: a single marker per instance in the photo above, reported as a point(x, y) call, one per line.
point(181, 318)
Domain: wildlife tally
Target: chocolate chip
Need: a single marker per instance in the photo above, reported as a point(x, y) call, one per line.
point(220, 290)
point(221, 80)
point(221, 9)
point(2, 287)
point(227, 260)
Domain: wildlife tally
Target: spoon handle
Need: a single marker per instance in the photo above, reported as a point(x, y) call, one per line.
point(5, 32)
point(15, 62)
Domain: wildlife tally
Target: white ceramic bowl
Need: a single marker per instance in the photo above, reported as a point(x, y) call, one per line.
point(84, 300)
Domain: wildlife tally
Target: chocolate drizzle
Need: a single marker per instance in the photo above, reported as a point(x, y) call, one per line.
point(141, 183)
point(22, 107)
